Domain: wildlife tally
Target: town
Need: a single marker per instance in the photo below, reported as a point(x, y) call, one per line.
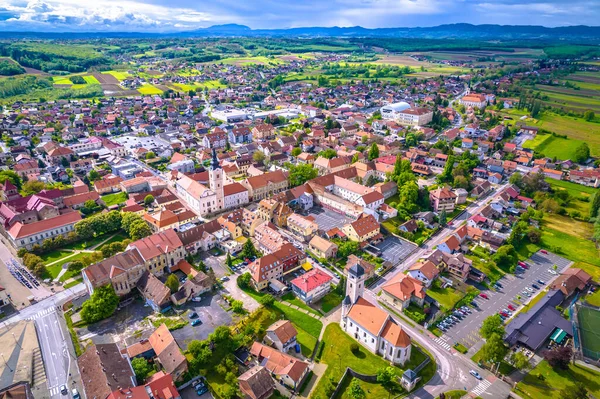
point(303, 226)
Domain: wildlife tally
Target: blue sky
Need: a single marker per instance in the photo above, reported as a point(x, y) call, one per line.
point(178, 15)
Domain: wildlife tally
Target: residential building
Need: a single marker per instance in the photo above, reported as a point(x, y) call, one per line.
point(425, 272)
point(322, 248)
point(265, 185)
point(474, 100)
point(103, 370)
point(414, 117)
point(286, 369)
point(108, 184)
point(301, 226)
point(312, 286)
point(256, 383)
point(282, 334)
point(365, 228)
point(168, 352)
point(442, 199)
point(27, 235)
point(402, 290)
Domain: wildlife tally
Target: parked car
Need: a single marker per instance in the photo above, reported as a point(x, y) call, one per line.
point(534, 285)
point(63, 389)
point(196, 322)
point(503, 314)
point(475, 374)
point(197, 299)
point(484, 296)
point(511, 307)
point(552, 271)
point(75, 393)
point(541, 282)
point(521, 263)
point(525, 266)
point(224, 278)
point(544, 251)
point(499, 285)
point(474, 304)
point(193, 315)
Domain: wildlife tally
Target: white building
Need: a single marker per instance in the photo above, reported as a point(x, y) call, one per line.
point(85, 145)
point(230, 115)
point(414, 117)
point(370, 325)
point(183, 166)
point(391, 111)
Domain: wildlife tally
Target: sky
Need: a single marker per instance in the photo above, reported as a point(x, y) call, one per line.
point(182, 15)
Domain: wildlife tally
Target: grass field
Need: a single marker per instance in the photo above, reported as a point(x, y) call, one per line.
point(446, 297)
point(62, 80)
point(148, 89)
point(552, 146)
point(569, 246)
point(114, 199)
point(593, 299)
point(307, 342)
point(554, 380)
point(572, 127)
point(574, 228)
point(589, 328)
point(119, 75)
point(577, 193)
point(258, 60)
point(330, 301)
point(53, 256)
point(291, 298)
point(91, 80)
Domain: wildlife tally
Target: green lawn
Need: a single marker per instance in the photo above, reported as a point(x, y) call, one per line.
point(579, 195)
point(55, 269)
point(486, 265)
point(307, 342)
point(454, 394)
point(291, 298)
point(337, 356)
point(114, 199)
point(570, 247)
point(73, 283)
point(554, 380)
point(330, 301)
point(552, 146)
point(55, 255)
point(308, 323)
point(446, 297)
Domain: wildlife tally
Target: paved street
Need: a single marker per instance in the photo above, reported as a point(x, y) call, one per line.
point(466, 331)
point(394, 249)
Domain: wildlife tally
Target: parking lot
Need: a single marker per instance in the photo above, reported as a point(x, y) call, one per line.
point(466, 331)
point(394, 249)
point(328, 219)
point(210, 312)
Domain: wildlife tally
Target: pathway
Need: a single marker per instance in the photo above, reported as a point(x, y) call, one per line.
point(308, 312)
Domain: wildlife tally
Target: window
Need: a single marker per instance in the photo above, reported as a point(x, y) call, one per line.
point(364, 335)
point(372, 340)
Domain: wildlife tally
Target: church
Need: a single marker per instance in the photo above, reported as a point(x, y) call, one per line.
point(370, 325)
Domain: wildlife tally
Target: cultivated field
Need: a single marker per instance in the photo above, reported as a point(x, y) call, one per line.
point(552, 146)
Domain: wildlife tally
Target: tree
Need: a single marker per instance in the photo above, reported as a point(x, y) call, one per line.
point(461, 182)
point(446, 175)
point(296, 151)
point(102, 304)
point(373, 152)
point(139, 230)
point(516, 179)
point(237, 307)
point(443, 217)
point(505, 257)
point(32, 187)
point(148, 199)
point(64, 162)
point(172, 283)
point(577, 391)
point(535, 109)
point(589, 115)
point(94, 175)
point(356, 391)
point(347, 248)
point(75, 266)
point(258, 156)
point(128, 219)
point(595, 206)
point(11, 176)
point(494, 349)
point(386, 377)
point(492, 325)
point(229, 261)
point(267, 300)
point(248, 250)
point(582, 153)
point(559, 357)
point(141, 368)
point(301, 173)
point(150, 155)
point(243, 281)
point(328, 153)
point(520, 361)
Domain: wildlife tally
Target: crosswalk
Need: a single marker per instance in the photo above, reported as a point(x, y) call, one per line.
point(42, 313)
point(481, 387)
point(54, 391)
point(442, 342)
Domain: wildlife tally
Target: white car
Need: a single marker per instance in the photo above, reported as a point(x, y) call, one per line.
point(552, 271)
point(475, 374)
point(197, 299)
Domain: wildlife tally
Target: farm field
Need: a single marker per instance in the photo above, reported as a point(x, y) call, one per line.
point(552, 146)
point(569, 246)
point(572, 127)
point(577, 192)
point(563, 97)
point(148, 89)
point(258, 60)
point(118, 75)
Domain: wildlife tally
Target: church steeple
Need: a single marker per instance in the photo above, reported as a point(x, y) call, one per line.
point(214, 163)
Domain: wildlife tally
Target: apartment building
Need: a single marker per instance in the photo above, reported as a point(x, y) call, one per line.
point(365, 228)
point(30, 234)
point(442, 199)
point(302, 227)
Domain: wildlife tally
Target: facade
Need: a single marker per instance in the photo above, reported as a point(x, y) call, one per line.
point(474, 100)
point(285, 369)
point(402, 290)
point(442, 199)
point(371, 326)
point(365, 228)
point(414, 117)
point(27, 235)
point(301, 226)
point(265, 185)
point(282, 334)
point(234, 196)
point(322, 248)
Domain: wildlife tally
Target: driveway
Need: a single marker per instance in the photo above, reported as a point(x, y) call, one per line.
point(466, 331)
point(211, 311)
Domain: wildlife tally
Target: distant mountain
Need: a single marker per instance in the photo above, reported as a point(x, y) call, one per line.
point(457, 31)
point(590, 34)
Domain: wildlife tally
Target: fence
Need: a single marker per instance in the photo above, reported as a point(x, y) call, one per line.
point(351, 373)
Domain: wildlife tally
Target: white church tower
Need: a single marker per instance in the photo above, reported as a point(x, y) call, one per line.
point(355, 287)
point(216, 179)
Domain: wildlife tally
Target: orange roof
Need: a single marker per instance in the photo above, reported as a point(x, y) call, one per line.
point(19, 230)
point(368, 316)
point(403, 287)
point(395, 335)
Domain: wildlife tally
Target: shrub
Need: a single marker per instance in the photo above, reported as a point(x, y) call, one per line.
point(354, 348)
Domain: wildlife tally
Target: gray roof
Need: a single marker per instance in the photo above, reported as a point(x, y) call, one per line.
point(409, 375)
point(357, 270)
point(534, 327)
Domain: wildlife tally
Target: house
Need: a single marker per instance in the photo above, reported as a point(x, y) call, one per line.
point(402, 290)
point(263, 131)
point(265, 185)
point(27, 235)
point(103, 370)
point(371, 326)
point(442, 199)
point(425, 272)
point(256, 383)
point(410, 226)
point(368, 268)
point(571, 281)
point(286, 369)
point(301, 226)
point(273, 266)
point(322, 248)
point(326, 166)
point(312, 286)
point(168, 353)
point(450, 245)
point(159, 386)
point(282, 334)
point(155, 293)
point(366, 227)
point(474, 100)
point(108, 184)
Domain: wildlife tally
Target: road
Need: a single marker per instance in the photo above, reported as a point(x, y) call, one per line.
point(452, 367)
point(473, 209)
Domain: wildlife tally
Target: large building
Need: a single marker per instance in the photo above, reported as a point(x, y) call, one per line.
point(27, 235)
point(391, 111)
point(371, 326)
point(474, 100)
point(414, 117)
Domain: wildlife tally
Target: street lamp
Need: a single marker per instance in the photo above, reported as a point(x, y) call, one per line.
point(5, 363)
